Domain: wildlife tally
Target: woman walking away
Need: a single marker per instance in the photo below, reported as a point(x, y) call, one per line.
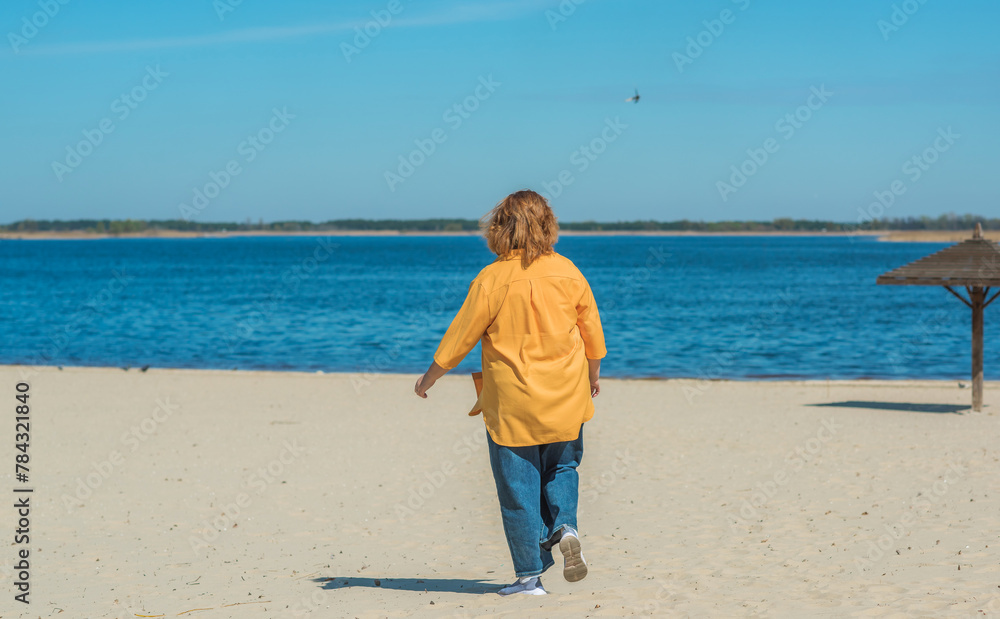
point(542, 344)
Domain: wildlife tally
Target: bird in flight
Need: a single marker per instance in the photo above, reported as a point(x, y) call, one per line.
point(634, 99)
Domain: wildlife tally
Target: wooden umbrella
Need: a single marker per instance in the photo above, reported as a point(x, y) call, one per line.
point(974, 264)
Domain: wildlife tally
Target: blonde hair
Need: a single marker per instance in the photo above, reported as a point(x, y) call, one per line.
point(523, 220)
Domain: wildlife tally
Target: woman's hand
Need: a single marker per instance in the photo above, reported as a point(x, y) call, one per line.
point(427, 381)
point(423, 384)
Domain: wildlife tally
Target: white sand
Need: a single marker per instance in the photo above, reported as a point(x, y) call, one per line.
point(670, 520)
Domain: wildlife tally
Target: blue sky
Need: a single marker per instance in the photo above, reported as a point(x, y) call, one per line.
point(558, 73)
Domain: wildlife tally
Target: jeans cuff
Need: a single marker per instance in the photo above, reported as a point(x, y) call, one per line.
point(553, 539)
point(532, 573)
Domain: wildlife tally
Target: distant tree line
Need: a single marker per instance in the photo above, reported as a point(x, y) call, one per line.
point(125, 226)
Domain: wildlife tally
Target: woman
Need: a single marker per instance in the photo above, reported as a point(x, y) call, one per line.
point(542, 344)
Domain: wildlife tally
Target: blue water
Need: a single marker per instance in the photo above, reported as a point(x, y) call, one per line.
point(691, 307)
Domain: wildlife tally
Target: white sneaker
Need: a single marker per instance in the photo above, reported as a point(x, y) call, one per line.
point(530, 585)
point(574, 565)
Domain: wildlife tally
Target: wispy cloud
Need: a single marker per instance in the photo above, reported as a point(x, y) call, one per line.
point(246, 35)
point(456, 14)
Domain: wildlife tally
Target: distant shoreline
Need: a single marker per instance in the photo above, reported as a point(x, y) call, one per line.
point(769, 381)
point(912, 236)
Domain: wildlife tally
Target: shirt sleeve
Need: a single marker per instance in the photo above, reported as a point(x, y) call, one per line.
point(589, 321)
point(466, 329)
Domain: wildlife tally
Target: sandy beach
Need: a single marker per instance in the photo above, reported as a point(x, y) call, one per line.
point(255, 494)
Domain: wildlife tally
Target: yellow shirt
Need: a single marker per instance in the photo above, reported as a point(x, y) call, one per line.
point(538, 326)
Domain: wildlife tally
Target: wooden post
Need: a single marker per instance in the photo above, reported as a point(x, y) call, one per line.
point(977, 296)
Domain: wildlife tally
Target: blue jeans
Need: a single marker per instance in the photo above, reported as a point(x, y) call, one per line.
point(538, 488)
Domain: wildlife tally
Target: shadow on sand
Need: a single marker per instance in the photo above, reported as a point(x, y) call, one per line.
point(901, 406)
point(450, 585)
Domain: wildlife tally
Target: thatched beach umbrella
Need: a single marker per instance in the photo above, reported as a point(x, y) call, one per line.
point(974, 264)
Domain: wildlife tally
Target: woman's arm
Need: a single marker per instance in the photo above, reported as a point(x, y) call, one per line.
point(430, 377)
point(589, 322)
point(595, 375)
point(462, 336)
